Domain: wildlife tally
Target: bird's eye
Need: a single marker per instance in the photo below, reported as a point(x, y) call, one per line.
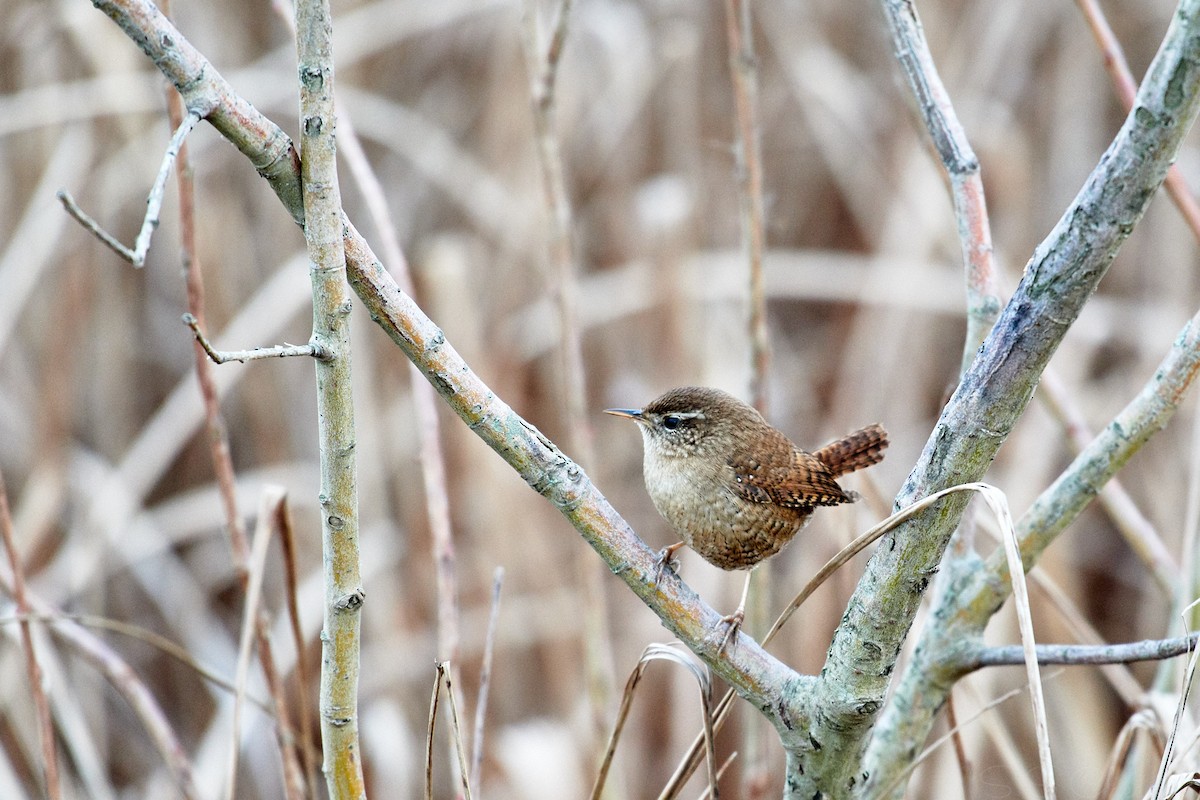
point(672, 422)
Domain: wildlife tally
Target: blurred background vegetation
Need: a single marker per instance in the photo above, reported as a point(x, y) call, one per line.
point(101, 436)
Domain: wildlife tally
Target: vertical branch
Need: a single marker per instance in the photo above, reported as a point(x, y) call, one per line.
point(335, 407)
point(743, 66)
point(542, 65)
point(32, 667)
point(960, 163)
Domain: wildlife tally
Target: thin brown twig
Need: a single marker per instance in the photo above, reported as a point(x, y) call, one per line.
point(218, 440)
point(33, 668)
point(743, 68)
point(654, 652)
point(137, 256)
point(1126, 87)
point(291, 583)
point(456, 730)
point(960, 750)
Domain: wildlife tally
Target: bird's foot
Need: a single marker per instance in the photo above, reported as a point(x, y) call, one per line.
point(733, 623)
point(665, 560)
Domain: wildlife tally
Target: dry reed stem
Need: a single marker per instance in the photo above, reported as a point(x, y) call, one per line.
point(1144, 720)
point(125, 681)
point(542, 67)
point(442, 673)
point(1143, 539)
point(1119, 676)
point(961, 759)
point(953, 734)
point(999, 506)
point(743, 69)
point(287, 541)
point(666, 652)
point(748, 170)
point(272, 497)
point(1185, 690)
point(33, 670)
point(485, 682)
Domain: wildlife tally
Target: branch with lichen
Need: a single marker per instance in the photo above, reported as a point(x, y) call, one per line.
point(1062, 274)
point(948, 647)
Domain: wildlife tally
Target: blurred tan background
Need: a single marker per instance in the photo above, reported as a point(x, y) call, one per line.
point(108, 470)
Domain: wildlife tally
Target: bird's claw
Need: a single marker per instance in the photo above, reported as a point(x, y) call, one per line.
point(665, 560)
point(734, 622)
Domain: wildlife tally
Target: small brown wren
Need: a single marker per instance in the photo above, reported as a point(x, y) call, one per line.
point(735, 489)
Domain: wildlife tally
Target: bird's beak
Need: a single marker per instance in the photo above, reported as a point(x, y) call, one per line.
point(629, 413)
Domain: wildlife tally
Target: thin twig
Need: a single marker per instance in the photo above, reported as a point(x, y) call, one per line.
point(933, 746)
point(121, 677)
point(1137, 531)
point(33, 669)
point(1126, 87)
point(224, 356)
point(961, 165)
point(291, 583)
point(1144, 720)
point(430, 729)
point(960, 750)
point(485, 680)
point(137, 256)
point(1086, 654)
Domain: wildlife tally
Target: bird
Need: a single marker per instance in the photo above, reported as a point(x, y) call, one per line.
point(735, 489)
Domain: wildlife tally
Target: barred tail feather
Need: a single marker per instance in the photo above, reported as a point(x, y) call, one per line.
point(860, 449)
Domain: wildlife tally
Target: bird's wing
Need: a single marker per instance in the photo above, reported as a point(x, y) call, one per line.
point(793, 479)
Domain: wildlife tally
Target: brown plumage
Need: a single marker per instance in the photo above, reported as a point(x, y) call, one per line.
point(735, 489)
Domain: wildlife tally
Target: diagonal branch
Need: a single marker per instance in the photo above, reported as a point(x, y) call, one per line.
point(756, 675)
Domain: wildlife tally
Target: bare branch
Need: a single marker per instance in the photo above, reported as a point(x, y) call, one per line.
point(1084, 654)
point(225, 356)
point(137, 256)
point(960, 163)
